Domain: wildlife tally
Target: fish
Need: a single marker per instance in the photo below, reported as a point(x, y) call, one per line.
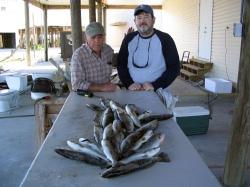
point(129, 141)
point(109, 151)
point(126, 120)
point(86, 150)
point(160, 117)
point(107, 117)
point(97, 117)
point(108, 132)
point(153, 142)
point(98, 132)
point(105, 102)
point(115, 106)
point(94, 107)
point(136, 109)
point(134, 166)
point(152, 125)
point(80, 156)
point(116, 117)
point(122, 116)
point(118, 138)
point(144, 115)
point(133, 115)
point(117, 126)
point(147, 135)
point(86, 143)
point(119, 134)
point(138, 156)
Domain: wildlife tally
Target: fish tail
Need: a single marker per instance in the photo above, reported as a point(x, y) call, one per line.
point(163, 157)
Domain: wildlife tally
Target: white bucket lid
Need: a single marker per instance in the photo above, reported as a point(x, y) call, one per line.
point(190, 111)
point(6, 92)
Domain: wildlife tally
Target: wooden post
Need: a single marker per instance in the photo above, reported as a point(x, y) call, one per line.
point(238, 147)
point(92, 14)
point(27, 31)
point(99, 18)
point(76, 24)
point(45, 20)
point(52, 37)
point(104, 17)
point(40, 118)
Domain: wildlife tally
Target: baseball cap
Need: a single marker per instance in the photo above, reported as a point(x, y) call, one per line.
point(144, 8)
point(94, 28)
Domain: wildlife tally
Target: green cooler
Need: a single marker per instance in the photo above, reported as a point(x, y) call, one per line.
point(192, 120)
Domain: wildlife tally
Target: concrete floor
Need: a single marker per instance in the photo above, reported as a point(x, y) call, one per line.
point(213, 145)
point(18, 139)
point(17, 149)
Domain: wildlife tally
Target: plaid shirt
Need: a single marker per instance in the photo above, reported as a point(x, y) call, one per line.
point(87, 67)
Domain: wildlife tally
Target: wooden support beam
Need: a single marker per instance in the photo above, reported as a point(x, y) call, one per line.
point(130, 6)
point(103, 2)
point(36, 3)
point(45, 22)
point(65, 7)
point(108, 6)
point(27, 31)
point(92, 10)
point(104, 19)
point(239, 143)
point(99, 11)
point(40, 113)
point(76, 23)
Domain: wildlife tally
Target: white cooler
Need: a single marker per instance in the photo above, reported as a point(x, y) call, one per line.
point(17, 82)
point(8, 99)
point(218, 85)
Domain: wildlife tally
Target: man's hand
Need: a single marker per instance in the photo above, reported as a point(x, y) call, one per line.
point(135, 86)
point(130, 29)
point(147, 86)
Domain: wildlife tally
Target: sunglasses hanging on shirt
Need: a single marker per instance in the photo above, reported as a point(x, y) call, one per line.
point(133, 56)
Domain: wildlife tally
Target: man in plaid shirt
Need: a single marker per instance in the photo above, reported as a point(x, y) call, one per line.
point(91, 63)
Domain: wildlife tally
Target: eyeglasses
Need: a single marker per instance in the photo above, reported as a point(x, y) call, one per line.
point(133, 56)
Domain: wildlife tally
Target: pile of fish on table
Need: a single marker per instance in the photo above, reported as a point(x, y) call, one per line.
point(125, 139)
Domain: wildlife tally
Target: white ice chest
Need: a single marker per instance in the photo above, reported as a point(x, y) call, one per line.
point(218, 85)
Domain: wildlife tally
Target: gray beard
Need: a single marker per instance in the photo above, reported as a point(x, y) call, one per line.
point(145, 31)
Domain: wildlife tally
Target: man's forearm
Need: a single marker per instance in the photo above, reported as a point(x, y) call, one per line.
point(102, 87)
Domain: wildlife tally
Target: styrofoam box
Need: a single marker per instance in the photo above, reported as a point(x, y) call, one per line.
point(17, 82)
point(3, 76)
point(218, 85)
